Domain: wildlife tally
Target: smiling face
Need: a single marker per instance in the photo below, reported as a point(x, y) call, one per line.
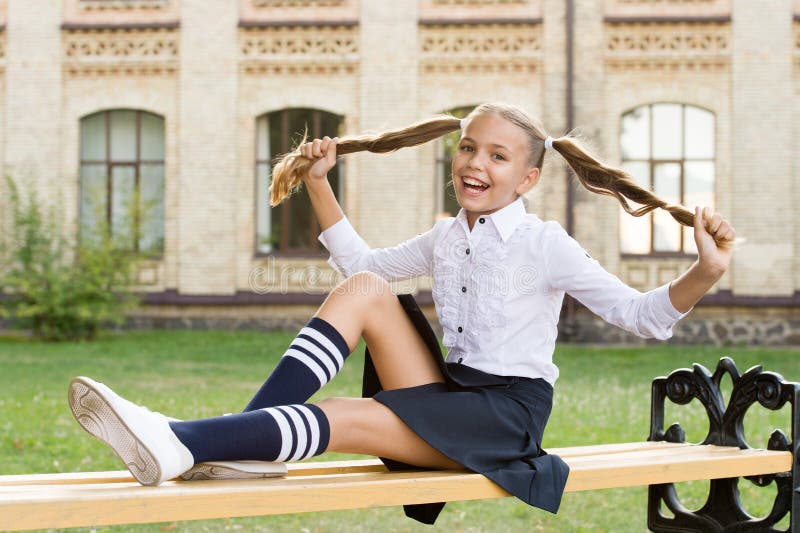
point(491, 167)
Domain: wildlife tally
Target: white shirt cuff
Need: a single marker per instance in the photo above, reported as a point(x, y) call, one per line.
point(338, 234)
point(345, 245)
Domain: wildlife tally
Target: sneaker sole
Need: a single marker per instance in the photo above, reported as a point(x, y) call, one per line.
point(234, 470)
point(99, 419)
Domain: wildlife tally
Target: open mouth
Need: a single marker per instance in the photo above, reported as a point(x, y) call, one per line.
point(473, 186)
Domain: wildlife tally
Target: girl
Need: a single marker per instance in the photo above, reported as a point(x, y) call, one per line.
point(499, 277)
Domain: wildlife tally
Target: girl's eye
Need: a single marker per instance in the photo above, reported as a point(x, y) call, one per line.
point(466, 148)
point(500, 157)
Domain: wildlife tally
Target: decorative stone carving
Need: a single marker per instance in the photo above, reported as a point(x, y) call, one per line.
point(656, 2)
point(506, 48)
point(672, 8)
point(480, 11)
point(102, 5)
point(306, 11)
point(120, 51)
point(479, 2)
point(668, 46)
point(299, 50)
point(305, 69)
point(298, 3)
point(113, 13)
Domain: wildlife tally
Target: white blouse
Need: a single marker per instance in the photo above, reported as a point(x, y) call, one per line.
point(498, 289)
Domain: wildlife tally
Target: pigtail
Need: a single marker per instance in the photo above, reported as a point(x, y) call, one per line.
point(288, 172)
point(615, 182)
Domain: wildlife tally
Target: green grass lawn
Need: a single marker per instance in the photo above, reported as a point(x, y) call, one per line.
point(601, 396)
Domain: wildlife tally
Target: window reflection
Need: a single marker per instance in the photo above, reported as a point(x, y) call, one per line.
point(669, 149)
point(635, 136)
point(122, 178)
point(666, 184)
point(667, 131)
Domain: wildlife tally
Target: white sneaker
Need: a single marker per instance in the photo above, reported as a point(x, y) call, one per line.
point(141, 438)
point(234, 470)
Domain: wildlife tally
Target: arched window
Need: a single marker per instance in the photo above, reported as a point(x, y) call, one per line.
point(669, 149)
point(445, 195)
point(290, 228)
point(122, 178)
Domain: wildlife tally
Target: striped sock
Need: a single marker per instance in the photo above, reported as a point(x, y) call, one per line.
point(285, 433)
point(314, 357)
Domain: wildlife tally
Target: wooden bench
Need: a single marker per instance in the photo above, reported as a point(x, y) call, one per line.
point(106, 498)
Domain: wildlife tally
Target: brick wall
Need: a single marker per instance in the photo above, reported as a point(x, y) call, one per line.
point(211, 68)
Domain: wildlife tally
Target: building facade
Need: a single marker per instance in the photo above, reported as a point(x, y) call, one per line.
point(180, 106)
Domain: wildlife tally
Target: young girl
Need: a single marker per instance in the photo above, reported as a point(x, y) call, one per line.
point(499, 277)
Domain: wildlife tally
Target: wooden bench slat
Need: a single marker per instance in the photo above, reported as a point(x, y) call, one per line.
point(348, 485)
point(123, 476)
point(650, 469)
point(672, 454)
point(175, 501)
point(323, 467)
point(622, 447)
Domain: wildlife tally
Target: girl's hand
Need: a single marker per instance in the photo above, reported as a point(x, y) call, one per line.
point(714, 237)
point(323, 153)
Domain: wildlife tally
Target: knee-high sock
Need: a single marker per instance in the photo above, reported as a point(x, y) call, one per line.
point(314, 357)
point(286, 433)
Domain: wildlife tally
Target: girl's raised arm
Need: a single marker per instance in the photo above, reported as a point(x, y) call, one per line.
point(711, 234)
point(349, 252)
point(326, 207)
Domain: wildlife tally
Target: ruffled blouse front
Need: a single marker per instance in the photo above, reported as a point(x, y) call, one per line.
point(498, 288)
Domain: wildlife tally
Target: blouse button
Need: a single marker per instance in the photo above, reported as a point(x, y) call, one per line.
point(460, 359)
point(481, 220)
point(467, 251)
point(463, 289)
point(460, 329)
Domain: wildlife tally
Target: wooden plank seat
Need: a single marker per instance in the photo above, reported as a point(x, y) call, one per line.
point(724, 457)
point(107, 498)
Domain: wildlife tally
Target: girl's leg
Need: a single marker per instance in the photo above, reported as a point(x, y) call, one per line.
point(363, 305)
point(155, 448)
point(295, 432)
point(366, 426)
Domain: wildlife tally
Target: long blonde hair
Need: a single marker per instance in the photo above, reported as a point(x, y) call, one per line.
point(593, 174)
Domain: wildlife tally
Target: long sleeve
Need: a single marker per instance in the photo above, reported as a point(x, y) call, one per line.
point(350, 254)
point(571, 269)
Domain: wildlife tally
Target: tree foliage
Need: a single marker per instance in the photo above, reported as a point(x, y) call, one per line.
point(62, 287)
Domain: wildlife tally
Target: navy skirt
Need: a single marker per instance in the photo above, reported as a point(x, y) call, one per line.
point(491, 424)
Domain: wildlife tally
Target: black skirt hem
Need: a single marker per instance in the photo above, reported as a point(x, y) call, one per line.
point(490, 424)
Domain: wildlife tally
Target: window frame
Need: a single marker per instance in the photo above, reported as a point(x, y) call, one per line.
point(110, 164)
point(315, 250)
point(653, 162)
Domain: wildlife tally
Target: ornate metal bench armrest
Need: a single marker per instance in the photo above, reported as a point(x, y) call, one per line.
point(722, 510)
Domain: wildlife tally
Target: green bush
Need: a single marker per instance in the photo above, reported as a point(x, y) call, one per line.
point(61, 287)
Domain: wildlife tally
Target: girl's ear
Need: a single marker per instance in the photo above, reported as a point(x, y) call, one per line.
point(529, 181)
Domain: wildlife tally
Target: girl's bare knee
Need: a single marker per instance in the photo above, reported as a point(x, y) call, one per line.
point(365, 284)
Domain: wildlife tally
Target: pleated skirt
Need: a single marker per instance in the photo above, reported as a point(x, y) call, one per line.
point(492, 425)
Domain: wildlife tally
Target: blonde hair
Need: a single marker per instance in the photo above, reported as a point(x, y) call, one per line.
point(286, 176)
point(593, 174)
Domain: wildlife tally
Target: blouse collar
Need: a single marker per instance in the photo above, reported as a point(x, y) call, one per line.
point(505, 220)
